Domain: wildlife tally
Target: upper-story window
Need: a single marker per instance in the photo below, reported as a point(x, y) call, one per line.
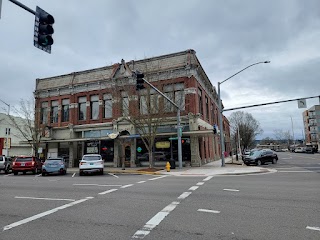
point(124, 103)
point(175, 92)
point(65, 110)
point(44, 113)
point(200, 101)
point(54, 111)
point(107, 102)
point(94, 102)
point(207, 107)
point(82, 108)
point(149, 102)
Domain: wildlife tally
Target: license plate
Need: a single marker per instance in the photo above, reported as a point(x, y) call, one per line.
point(53, 165)
point(91, 163)
point(22, 164)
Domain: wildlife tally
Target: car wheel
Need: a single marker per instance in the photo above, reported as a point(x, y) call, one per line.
point(81, 173)
point(101, 172)
point(35, 171)
point(24, 173)
point(6, 171)
point(259, 163)
point(15, 172)
point(43, 174)
point(274, 161)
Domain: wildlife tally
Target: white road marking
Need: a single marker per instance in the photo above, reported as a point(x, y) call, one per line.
point(207, 178)
point(94, 184)
point(40, 215)
point(53, 180)
point(231, 190)
point(313, 228)
point(50, 199)
point(153, 222)
point(109, 191)
point(38, 175)
point(184, 195)
point(141, 182)
point(200, 183)
point(295, 171)
point(113, 175)
point(193, 188)
point(73, 174)
point(152, 179)
point(208, 211)
point(125, 186)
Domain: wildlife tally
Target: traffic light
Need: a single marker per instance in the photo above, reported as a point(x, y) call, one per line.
point(140, 81)
point(43, 30)
point(214, 129)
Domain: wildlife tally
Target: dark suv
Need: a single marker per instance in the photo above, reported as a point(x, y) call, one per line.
point(5, 164)
point(261, 157)
point(26, 164)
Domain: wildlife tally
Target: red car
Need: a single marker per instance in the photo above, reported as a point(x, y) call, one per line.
point(26, 164)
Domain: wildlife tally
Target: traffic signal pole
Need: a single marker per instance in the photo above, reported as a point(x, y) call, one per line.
point(179, 132)
point(23, 6)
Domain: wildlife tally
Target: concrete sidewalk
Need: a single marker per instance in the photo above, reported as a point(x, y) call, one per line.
point(210, 169)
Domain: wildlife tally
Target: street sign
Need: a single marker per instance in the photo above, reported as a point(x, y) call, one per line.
point(302, 103)
point(173, 138)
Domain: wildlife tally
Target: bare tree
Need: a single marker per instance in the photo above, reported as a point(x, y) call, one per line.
point(146, 109)
point(24, 123)
point(248, 127)
point(282, 136)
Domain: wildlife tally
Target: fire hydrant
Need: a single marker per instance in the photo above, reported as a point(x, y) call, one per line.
point(168, 167)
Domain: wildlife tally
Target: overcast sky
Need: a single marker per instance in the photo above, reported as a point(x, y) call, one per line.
point(227, 35)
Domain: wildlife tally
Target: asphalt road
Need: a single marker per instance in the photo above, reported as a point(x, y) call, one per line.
point(280, 205)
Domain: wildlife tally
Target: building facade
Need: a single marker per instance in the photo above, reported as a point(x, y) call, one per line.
point(82, 112)
point(311, 119)
point(16, 143)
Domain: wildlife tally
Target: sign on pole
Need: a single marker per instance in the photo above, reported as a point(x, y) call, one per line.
point(0, 8)
point(302, 103)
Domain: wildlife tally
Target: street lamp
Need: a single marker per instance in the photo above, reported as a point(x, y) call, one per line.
point(7, 132)
point(221, 110)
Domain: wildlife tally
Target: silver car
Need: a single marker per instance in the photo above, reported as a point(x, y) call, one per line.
point(5, 164)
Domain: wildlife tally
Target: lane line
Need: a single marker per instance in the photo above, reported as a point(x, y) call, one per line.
point(40, 215)
point(207, 178)
point(113, 175)
point(73, 174)
point(208, 210)
point(231, 190)
point(200, 183)
point(141, 182)
point(109, 191)
point(125, 186)
point(155, 221)
point(193, 188)
point(152, 179)
point(49, 199)
point(313, 228)
point(184, 195)
point(94, 184)
point(295, 171)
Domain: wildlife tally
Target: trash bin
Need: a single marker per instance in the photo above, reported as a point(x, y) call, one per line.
point(172, 164)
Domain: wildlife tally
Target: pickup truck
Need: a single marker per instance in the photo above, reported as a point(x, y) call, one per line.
point(5, 164)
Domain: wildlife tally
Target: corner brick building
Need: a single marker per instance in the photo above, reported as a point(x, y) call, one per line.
point(77, 112)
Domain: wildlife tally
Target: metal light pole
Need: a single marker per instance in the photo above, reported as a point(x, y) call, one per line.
point(7, 132)
point(221, 110)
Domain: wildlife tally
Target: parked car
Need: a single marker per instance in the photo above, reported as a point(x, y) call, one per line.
point(299, 150)
point(91, 163)
point(5, 164)
point(26, 164)
point(158, 156)
point(260, 157)
point(54, 165)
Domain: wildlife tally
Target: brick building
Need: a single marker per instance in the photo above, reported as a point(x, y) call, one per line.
point(77, 112)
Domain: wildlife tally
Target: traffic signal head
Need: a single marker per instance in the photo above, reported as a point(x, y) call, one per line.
point(140, 81)
point(214, 129)
point(43, 30)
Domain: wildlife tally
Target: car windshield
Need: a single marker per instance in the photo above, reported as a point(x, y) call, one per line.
point(27, 159)
point(91, 158)
point(54, 160)
point(255, 153)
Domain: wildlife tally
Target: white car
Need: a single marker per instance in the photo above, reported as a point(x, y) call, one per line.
point(91, 163)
